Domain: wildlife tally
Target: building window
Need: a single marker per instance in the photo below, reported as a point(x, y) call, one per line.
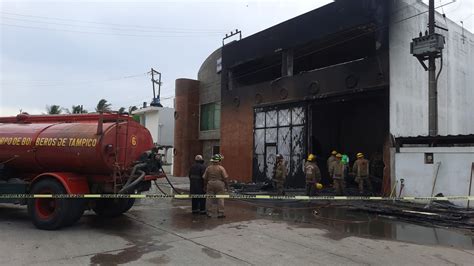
point(210, 116)
point(216, 149)
point(279, 130)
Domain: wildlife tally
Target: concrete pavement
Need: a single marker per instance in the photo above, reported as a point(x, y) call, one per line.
point(258, 233)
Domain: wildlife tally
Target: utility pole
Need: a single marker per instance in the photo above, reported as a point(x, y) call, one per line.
point(430, 47)
point(433, 90)
point(156, 98)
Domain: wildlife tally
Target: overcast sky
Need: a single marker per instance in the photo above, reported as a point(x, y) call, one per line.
point(77, 52)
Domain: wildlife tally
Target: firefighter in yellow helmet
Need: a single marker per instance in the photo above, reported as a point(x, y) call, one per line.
point(337, 172)
point(215, 179)
point(313, 174)
point(361, 172)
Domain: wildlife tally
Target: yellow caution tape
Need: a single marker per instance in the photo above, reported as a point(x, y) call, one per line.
point(137, 196)
point(179, 196)
point(42, 196)
point(232, 196)
point(93, 196)
point(302, 197)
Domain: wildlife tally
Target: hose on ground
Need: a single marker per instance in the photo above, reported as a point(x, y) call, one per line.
point(169, 182)
point(159, 188)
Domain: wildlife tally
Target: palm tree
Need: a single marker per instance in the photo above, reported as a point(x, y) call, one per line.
point(53, 109)
point(103, 106)
point(131, 109)
point(121, 110)
point(78, 109)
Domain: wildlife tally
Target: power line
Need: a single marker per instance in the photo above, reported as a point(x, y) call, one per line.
point(107, 34)
point(115, 28)
point(69, 82)
point(382, 27)
point(111, 24)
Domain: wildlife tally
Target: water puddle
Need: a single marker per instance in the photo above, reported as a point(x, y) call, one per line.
point(341, 223)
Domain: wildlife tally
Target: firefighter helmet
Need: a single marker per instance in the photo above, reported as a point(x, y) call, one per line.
point(217, 158)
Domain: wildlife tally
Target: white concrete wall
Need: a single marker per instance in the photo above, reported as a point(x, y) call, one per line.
point(160, 122)
point(151, 123)
point(453, 176)
point(409, 81)
point(165, 126)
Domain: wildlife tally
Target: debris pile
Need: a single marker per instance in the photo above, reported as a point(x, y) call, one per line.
point(438, 213)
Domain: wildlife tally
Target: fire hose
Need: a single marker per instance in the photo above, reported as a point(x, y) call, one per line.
point(129, 185)
point(11, 159)
point(132, 174)
point(169, 181)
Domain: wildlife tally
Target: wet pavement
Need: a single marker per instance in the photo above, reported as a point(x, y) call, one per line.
point(254, 232)
point(336, 219)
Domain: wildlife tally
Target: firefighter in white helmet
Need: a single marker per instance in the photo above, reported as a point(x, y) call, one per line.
point(196, 185)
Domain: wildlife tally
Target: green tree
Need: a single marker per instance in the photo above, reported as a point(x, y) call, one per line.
point(53, 109)
point(131, 109)
point(121, 110)
point(103, 106)
point(78, 109)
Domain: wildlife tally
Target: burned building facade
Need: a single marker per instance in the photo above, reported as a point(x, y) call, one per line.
point(323, 81)
point(311, 84)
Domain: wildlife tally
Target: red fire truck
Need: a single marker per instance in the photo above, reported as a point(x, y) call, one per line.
point(75, 154)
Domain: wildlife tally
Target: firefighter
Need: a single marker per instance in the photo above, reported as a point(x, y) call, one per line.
point(337, 172)
point(361, 172)
point(196, 183)
point(279, 174)
point(331, 159)
point(215, 179)
point(313, 174)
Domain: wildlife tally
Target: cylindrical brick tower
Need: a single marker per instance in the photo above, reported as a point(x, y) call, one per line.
point(186, 135)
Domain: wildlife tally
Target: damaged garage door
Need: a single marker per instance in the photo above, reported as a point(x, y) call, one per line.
point(280, 130)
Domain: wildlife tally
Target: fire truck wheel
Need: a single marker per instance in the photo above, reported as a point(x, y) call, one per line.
point(49, 213)
point(128, 205)
point(76, 211)
point(112, 207)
